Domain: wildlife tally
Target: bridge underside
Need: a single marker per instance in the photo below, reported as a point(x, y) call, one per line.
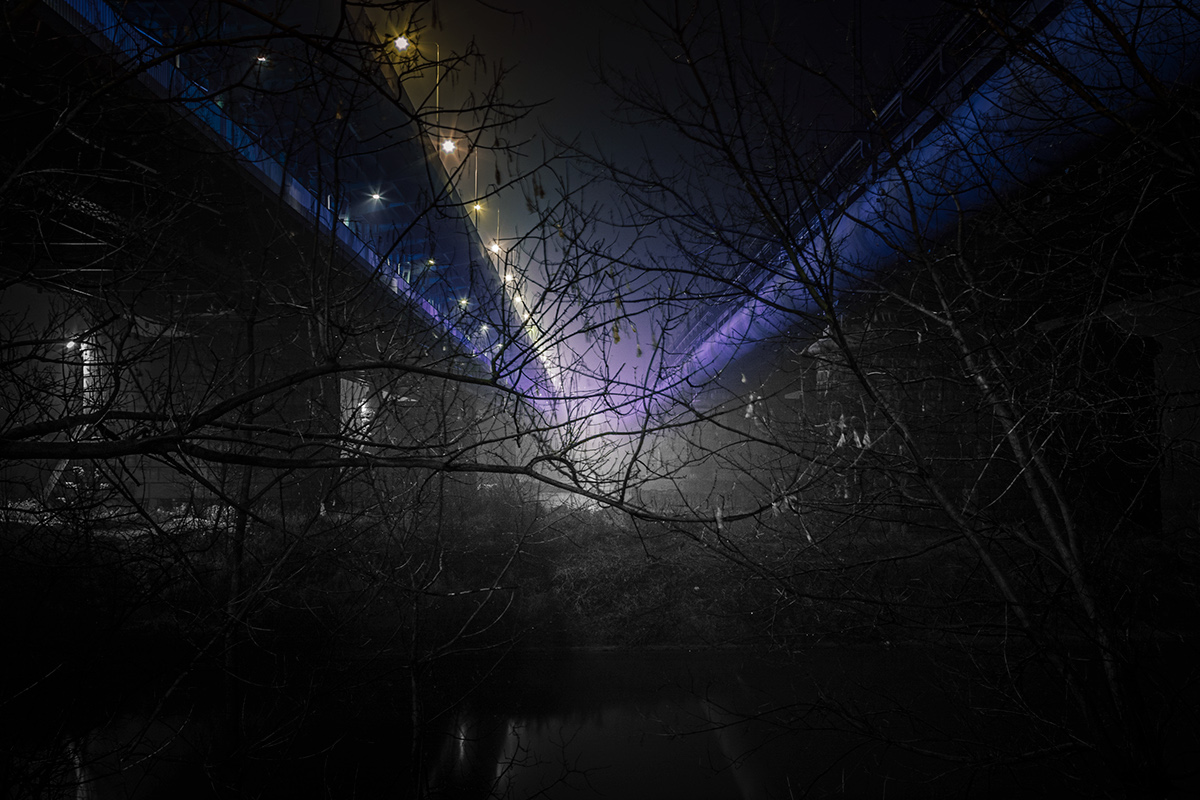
point(176, 310)
point(965, 139)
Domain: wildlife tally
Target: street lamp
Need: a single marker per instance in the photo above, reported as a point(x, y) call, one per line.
point(448, 146)
point(401, 43)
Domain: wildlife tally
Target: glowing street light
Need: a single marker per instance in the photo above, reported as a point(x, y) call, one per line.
point(376, 196)
point(495, 248)
point(448, 146)
point(401, 43)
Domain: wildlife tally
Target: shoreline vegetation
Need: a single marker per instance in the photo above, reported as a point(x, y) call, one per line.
point(509, 572)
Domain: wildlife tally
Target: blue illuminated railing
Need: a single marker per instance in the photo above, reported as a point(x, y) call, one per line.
point(144, 56)
point(978, 132)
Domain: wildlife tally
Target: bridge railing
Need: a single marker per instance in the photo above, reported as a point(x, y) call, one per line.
point(143, 55)
point(962, 56)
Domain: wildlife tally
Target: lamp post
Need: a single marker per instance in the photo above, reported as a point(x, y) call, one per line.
point(403, 44)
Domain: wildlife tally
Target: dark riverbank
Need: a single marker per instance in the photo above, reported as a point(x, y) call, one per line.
point(346, 666)
point(861, 720)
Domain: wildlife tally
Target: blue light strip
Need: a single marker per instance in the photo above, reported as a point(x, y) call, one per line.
point(146, 60)
point(988, 144)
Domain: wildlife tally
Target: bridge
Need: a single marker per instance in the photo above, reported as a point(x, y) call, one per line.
point(991, 109)
point(396, 245)
point(389, 205)
point(227, 222)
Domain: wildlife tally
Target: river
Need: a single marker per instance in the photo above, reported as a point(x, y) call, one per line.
point(839, 721)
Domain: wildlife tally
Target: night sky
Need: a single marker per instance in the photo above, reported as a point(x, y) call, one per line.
point(553, 49)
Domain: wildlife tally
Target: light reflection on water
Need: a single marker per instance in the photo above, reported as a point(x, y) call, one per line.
point(628, 753)
point(656, 726)
point(618, 751)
